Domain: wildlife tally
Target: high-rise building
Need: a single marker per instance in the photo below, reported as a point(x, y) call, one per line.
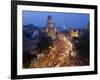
point(50, 29)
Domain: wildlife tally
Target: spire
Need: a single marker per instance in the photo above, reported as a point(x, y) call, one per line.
point(49, 17)
point(49, 20)
point(64, 26)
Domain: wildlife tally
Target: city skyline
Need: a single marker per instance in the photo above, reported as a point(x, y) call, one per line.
point(65, 20)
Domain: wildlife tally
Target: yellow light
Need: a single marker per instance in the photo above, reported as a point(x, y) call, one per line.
point(74, 34)
point(53, 49)
point(50, 47)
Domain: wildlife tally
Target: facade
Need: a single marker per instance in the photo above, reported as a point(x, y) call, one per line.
point(74, 33)
point(50, 28)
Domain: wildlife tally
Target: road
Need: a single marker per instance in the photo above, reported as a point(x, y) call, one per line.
point(60, 55)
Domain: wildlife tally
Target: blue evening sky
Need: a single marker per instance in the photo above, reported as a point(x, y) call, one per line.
point(60, 19)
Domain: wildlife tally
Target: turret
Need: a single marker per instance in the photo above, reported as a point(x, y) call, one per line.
point(50, 22)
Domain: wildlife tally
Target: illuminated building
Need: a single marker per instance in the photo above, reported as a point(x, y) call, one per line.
point(51, 30)
point(74, 33)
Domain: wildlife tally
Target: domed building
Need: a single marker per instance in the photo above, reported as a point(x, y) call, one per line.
point(74, 33)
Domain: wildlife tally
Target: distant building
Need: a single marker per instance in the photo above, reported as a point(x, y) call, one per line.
point(74, 33)
point(50, 29)
point(78, 33)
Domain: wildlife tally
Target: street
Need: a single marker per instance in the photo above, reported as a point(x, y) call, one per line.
point(60, 55)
